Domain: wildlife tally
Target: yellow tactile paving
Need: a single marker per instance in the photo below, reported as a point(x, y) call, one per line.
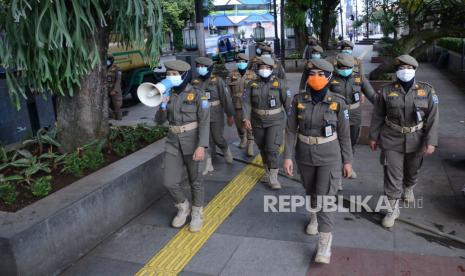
point(175, 255)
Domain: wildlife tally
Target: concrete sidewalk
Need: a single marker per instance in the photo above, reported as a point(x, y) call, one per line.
point(253, 242)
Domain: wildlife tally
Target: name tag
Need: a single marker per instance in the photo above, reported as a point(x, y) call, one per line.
point(273, 102)
point(357, 97)
point(328, 130)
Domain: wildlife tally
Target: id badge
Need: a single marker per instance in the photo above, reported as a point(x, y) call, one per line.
point(419, 117)
point(356, 97)
point(273, 102)
point(328, 130)
point(207, 94)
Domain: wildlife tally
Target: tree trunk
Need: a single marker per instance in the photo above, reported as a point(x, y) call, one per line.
point(83, 117)
point(325, 28)
point(300, 40)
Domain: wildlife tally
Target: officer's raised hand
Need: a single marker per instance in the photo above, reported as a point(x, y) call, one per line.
point(199, 154)
point(288, 167)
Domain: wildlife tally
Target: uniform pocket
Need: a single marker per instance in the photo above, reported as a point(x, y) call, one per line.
point(189, 113)
point(334, 179)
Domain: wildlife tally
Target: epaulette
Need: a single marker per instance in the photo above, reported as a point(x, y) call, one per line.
point(214, 79)
point(196, 81)
point(253, 84)
point(425, 83)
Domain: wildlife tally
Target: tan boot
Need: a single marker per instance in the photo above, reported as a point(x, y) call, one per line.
point(250, 148)
point(391, 216)
point(312, 227)
point(208, 166)
point(228, 155)
point(183, 212)
point(243, 143)
point(353, 175)
point(323, 254)
point(408, 196)
point(196, 219)
point(274, 183)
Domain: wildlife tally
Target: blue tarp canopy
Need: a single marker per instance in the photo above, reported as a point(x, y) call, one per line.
point(223, 20)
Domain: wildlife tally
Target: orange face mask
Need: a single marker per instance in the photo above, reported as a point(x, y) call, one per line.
point(317, 82)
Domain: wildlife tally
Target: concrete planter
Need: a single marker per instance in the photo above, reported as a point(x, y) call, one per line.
point(49, 235)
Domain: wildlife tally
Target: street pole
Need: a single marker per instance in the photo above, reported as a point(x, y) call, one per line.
point(342, 25)
point(283, 38)
point(276, 38)
point(199, 32)
point(368, 20)
point(356, 20)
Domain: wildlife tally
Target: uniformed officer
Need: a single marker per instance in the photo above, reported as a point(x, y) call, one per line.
point(311, 42)
point(405, 125)
point(220, 101)
point(113, 85)
point(188, 113)
point(237, 81)
point(317, 135)
point(265, 101)
point(352, 86)
point(313, 52)
point(263, 50)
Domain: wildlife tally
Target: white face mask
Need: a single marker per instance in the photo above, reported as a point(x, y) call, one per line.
point(264, 73)
point(405, 75)
point(175, 80)
point(266, 55)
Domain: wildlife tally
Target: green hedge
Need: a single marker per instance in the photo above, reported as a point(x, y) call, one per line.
point(451, 43)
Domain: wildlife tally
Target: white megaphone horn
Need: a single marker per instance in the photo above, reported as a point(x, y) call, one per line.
point(151, 94)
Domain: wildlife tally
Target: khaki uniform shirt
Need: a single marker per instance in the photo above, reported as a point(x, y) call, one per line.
point(349, 88)
point(215, 89)
point(237, 84)
point(401, 107)
point(190, 105)
point(261, 95)
point(310, 119)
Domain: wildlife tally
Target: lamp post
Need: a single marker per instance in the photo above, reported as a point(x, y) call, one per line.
point(356, 20)
point(259, 33)
point(189, 37)
point(342, 23)
point(276, 38)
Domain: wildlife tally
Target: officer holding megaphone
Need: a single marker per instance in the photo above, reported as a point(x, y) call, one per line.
point(187, 111)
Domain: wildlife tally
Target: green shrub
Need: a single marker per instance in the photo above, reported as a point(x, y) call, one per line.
point(42, 186)
point(451, 43)
point(90, 157)
point(8, 193)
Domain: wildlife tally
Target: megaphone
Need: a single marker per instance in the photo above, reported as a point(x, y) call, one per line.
point(152, 94)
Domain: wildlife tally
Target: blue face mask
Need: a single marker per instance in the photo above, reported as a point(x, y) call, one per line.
point(241, 65)
point(349, 52)
point(316, 56)
point(202, 71)
point(344, 72)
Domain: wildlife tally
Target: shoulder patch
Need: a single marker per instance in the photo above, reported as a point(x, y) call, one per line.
point(421, 92)
point(275, 83)
point(190, 96)
point(435, 99)
point(300, 106)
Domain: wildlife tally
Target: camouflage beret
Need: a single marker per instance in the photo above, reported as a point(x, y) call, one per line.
point(347, 43)
point(242, 56)
point(321, 64)
point(345, 60)
point(317, 48)
point(177, 65)
point(266, 61)
point(406, 59)
point(204, 61)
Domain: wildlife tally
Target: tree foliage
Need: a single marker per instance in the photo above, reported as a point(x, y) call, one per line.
point(51, 45)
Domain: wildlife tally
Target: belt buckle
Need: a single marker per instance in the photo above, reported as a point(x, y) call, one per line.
point(405, 130)
point(313, 140)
